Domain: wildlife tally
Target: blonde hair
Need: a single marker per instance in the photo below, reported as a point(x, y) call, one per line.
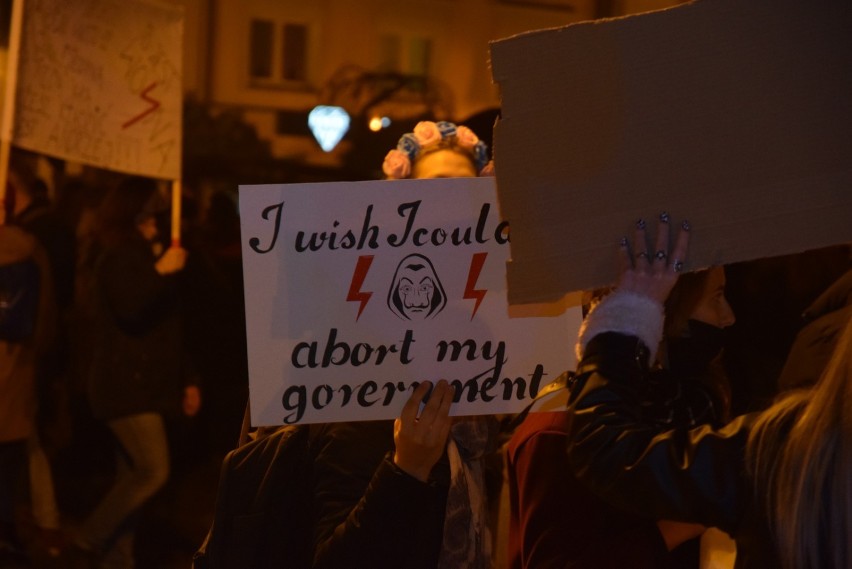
point(448, 144)
point(800, 457)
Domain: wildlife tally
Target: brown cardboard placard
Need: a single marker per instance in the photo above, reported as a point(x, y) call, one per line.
point(736, 115)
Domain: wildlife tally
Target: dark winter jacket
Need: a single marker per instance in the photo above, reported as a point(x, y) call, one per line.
point(137, 364)
point(369, 513)
point(695, 475)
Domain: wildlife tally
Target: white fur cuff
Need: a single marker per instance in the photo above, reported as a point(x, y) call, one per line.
point(626, 313)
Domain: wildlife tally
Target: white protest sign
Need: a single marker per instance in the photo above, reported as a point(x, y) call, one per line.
point(99, 82)
point(354, 291)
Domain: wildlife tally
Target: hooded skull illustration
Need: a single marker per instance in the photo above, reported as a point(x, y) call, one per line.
point(416, 292)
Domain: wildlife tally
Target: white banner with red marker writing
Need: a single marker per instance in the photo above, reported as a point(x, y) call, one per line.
point(99, 82)
point(355, 292)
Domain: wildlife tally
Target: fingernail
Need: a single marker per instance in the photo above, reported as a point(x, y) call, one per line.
point(623, 242)
point(664, 217)
point(640, 224)
point(685, 225)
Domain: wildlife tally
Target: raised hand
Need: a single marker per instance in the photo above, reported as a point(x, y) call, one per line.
point(653, 273)
point(420, 439)
point(191, 403)
point(172, 261)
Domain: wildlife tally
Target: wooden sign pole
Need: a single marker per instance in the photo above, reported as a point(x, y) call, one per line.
point(8, 118)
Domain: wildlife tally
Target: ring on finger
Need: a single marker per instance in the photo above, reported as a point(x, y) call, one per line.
point(661, 255)
point(677, 266)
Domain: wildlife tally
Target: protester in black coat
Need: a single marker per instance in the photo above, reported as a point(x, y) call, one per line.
point(775, 480)
point(397, 520)
point(137, 362)
point(136, 379)
point(411, 496)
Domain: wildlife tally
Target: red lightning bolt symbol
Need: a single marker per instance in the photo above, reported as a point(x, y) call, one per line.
point(355, 294)
point(155, 104)
point(476, 264)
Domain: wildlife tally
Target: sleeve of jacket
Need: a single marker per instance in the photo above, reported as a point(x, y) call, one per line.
point(561, 523)
point(692, 475)
point(132, 287)
point(368, 512)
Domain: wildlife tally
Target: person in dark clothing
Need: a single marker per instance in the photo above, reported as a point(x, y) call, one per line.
point(26, 332)
point(397, 484)
point(213, 304)
point(689, 390)
point(824, 321)
point(776, 480)
point(34, 212)
point(137, 379)
point(409, 493)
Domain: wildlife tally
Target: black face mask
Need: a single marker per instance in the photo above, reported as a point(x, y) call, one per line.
point(693, 352)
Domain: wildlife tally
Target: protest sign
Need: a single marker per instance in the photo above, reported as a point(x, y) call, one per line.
point(734, 115)
point(354, 291)
point(99, 82)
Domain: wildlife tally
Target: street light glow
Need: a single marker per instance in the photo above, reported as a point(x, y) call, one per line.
point(377, 123)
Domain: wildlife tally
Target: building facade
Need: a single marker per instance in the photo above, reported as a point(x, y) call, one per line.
point(391, 62)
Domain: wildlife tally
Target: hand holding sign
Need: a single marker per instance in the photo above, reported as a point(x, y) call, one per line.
point(420, 441)
point(172, 261)
point(653, 273)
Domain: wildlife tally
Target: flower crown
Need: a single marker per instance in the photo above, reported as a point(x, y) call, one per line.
point(427, 134)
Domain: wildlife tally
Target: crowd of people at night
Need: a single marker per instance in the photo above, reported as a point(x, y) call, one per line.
point(681, 414)
point(134, 371)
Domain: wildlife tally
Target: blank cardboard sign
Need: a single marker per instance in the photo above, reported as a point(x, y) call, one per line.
point(734, 115)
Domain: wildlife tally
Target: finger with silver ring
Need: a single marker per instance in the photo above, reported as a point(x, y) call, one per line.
point(641, 246)
point(662, 245)
point(625, 259)
point(681, 245)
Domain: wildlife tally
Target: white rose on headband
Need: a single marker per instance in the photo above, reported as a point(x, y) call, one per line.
point(396, 166)
point(466, 137)
point(426, 133)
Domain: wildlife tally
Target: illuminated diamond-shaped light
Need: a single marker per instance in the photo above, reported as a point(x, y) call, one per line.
point(328, 124)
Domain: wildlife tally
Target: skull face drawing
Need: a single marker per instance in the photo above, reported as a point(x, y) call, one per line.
point(416, 292)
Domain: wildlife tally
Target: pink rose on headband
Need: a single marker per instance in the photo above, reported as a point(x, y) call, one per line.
point(396, 166)
point(466, 137)
point(426, 133)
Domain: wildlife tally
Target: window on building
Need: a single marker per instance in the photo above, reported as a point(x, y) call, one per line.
point(389, 50)
point(295, 54)
point(261, 38)
point(278, 53)
point(409, 56)
point(419, 52)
